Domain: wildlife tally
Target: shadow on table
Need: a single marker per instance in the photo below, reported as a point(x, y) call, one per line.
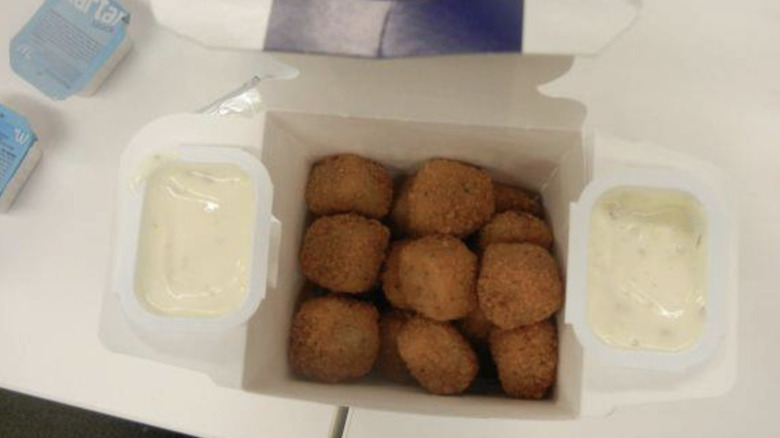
point(23, 416)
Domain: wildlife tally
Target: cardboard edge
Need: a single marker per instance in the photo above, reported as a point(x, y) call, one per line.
point(206, 22)
point(580, 27)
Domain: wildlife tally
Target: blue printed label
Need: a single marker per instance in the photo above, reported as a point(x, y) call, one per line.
point(16, 138)
point(394, 29)
point(66, 43)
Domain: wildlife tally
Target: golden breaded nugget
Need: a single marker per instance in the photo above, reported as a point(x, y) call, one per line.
point(516, 227)
point(343, 253)
point(475, 326)
point(438, 277)
point(334, 339)
point(445, 197)
point(391, 281)
point(437, 355)
point(349, 184)
point(389, 364)
point(526, 358)
point(514, 198)
point(400, 211)
point(518, 284)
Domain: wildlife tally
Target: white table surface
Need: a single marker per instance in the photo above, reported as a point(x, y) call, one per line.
point(700, 76)
point(54, 244)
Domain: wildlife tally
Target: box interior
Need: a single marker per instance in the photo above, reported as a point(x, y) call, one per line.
point(550, 161)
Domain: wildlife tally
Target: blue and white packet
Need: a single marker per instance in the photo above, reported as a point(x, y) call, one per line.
point(19, 154)
point(71, 46)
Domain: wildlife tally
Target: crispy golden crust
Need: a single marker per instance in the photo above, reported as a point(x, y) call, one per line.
point(343, 253)
point(516, 227)
point(518, 284)
point(390, 278)
point(349, 184)
point(475, 326)
point(334, 339)
point(400, 211)
point(438, 277)
point(526, 358)
point(389, 364)
point(514, 198)
point(445, 197)
point(438, 356)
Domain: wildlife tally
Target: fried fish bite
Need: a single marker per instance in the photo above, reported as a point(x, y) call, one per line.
point(514, 198)
point(526, 358)
point(333, 339)
point(349, 183)
point(475, 326)
point(515, 227)
point(438, 356)
point(438, 277)
point(391, 280)
point(518, 284)
point(445, 197)
point(390, 364)
point(343, 253)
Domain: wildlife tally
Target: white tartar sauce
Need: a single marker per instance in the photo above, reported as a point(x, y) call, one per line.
point(195, 239)
point(647, 269)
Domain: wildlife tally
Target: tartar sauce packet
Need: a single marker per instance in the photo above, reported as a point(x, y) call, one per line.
point(18, 155)
point(70, 46)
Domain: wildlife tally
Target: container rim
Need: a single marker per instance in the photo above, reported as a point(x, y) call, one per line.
point(719, 235)
point(127, 243)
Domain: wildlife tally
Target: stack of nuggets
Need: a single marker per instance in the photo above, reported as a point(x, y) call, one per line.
point(447, 309)
point(335, 337)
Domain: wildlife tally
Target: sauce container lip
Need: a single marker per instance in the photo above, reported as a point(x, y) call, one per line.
point(128, 240)
point(717, 260)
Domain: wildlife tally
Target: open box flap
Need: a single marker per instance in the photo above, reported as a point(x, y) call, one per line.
point(401, 28)
point(606, 389)
point(492, 90)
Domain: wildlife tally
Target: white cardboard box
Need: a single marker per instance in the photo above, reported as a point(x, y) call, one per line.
point(557, 161)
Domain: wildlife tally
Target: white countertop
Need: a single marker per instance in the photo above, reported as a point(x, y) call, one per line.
point(699, 76)
point(54, 244)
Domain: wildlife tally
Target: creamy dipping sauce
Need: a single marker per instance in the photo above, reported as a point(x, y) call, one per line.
point(647, 269)
point(195, 239)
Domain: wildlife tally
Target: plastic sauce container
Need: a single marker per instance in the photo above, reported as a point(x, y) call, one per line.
point(193, 252)
point(646, 260)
